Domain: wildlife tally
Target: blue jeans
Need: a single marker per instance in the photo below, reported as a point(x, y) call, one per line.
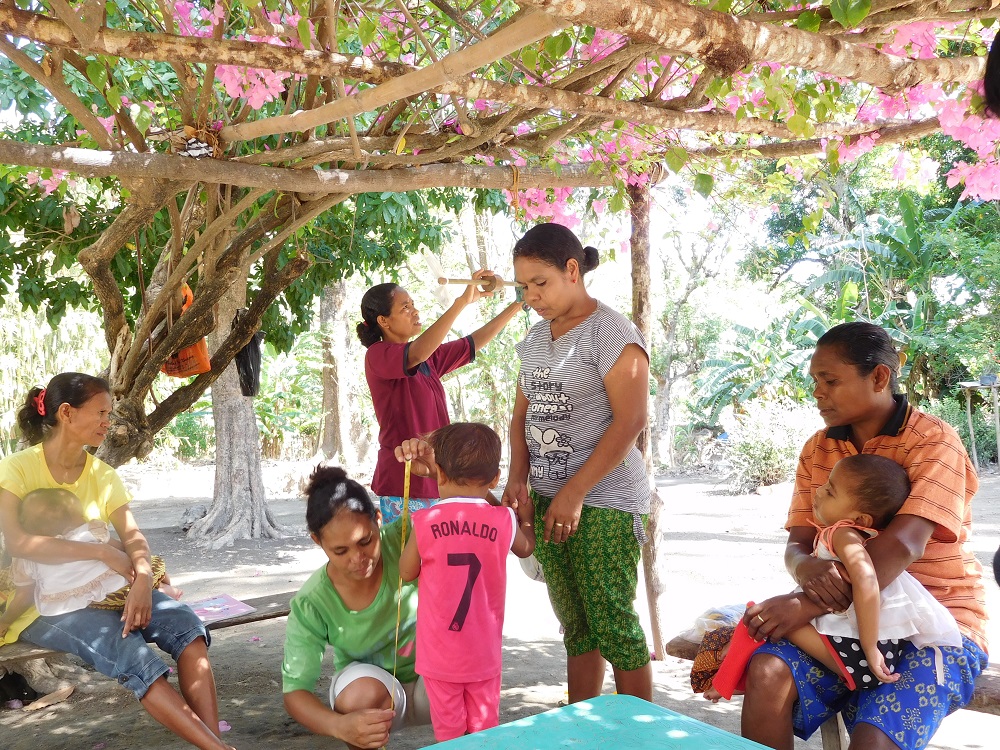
point(95, 635)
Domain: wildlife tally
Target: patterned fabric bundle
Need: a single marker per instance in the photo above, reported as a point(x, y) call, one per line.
point(709, 658)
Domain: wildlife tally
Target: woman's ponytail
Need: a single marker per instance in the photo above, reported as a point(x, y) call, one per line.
point(376, 303)
point(34, 416)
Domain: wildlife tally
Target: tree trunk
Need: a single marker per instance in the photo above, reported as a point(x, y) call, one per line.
point(239, 506)
point(331, 301)
point(660, 427)
point(359, 433)
point(639, 204)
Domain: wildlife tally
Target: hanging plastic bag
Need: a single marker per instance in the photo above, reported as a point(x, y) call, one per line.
point(191, 360)
point(248, 361)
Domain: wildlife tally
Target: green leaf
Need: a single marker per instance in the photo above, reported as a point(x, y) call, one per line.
point(808, 21)
point(304, 32)
point(676, 158)
point(114, 97)
point(97, 74)
point(703, 184)
point(366, 31)
point(529, 56)
point(558, 45)
point(849, 13)
point(798, 124)
point(142, 117)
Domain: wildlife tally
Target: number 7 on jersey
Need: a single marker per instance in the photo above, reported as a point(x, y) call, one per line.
point(472, 560)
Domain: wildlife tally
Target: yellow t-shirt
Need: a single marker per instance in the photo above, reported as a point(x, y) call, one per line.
point(99, 488)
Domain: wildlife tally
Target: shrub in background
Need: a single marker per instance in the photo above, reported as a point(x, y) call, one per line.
point(764, 440)
point(952, 411)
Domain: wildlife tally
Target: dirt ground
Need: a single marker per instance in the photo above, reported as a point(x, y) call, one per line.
point(717, 549)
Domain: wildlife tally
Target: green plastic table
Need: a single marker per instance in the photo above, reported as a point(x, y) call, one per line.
point(609, 722)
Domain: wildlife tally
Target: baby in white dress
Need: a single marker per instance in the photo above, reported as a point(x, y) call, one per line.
point(862, 495)
point(66, 587)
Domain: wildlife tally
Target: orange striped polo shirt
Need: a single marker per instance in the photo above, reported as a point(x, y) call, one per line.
point(943, 483)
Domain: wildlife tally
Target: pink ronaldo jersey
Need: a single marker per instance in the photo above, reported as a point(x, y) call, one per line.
point(463, 545)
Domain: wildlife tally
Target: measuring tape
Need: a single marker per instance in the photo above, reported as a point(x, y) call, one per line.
point(399, 591)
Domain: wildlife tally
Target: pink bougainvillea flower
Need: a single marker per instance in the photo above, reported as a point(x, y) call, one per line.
point(982, 179)
point(927, 170)
point(52, 184)
point(795, 172)
point(901, 167)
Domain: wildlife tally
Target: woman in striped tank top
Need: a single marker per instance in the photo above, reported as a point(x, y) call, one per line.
point(580, 405)
point(854, 371)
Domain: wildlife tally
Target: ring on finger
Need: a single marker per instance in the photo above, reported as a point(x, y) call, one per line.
point(760, 618)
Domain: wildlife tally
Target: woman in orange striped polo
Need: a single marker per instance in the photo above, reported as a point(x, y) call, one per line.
point(854, 370)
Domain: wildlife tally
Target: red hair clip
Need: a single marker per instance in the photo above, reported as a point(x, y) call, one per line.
point(40, 402)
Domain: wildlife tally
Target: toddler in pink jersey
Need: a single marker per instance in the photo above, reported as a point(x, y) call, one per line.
point(459, 551)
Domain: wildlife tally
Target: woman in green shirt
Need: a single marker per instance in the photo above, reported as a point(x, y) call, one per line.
point(351, 603)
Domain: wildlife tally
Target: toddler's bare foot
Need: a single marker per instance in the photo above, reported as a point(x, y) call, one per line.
point(173, 592)
point(713, 695)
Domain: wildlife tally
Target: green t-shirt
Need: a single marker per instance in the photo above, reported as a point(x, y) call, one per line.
point(318, 617)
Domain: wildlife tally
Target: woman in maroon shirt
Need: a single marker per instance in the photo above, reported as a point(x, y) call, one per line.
point(404, 375)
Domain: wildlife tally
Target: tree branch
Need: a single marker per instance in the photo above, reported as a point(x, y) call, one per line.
point(888, 134)
point(524, 30)
point(135, 45)
point(96, 259)
point(728, 43)
point(62, 93)
point(91, 163)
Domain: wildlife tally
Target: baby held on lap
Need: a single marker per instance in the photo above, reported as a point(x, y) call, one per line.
point(66, 587)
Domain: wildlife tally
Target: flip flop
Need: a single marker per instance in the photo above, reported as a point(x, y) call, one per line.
point(51, 699)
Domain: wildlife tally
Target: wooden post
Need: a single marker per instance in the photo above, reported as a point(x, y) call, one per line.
point(972, 433)
point(641, 316)
point(996, 422)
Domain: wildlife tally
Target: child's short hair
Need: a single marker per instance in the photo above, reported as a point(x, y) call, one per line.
point(882, 486)
point(329, 491)
point(467, 452)
point(41, 509)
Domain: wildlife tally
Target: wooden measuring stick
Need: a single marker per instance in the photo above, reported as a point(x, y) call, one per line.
point(488, 283)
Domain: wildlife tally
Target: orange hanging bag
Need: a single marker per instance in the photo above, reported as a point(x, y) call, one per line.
point(191, 360)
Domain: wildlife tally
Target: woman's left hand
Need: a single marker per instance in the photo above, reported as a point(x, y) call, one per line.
point(774, 618)
point(420, 454)
point(138, 605)
point(474, 292)
point(563, 516)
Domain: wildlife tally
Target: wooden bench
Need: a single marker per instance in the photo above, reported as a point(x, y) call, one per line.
point(985, 700)
point(266, 608)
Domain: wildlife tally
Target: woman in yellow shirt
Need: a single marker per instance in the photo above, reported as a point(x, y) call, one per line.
point(59, 422)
